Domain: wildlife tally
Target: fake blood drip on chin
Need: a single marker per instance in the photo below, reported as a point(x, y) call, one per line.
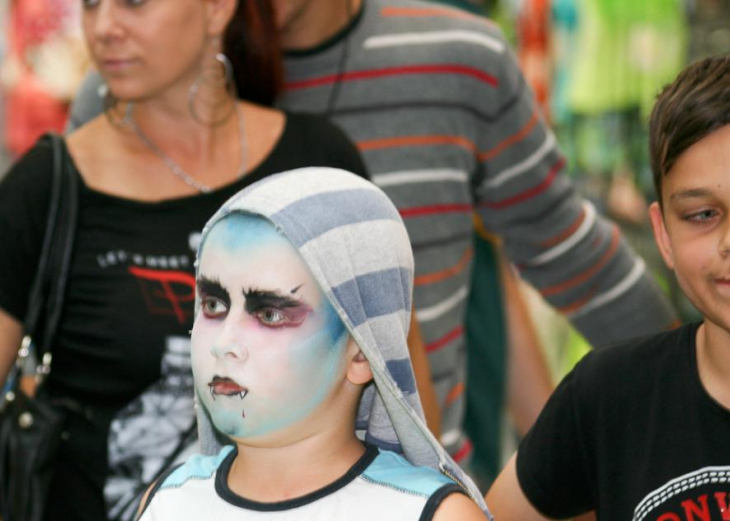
point(223, 386)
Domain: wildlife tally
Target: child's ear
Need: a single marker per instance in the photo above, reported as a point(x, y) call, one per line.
point(358, 367)
point(660, 234)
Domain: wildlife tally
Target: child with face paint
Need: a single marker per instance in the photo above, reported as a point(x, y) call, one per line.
point(307, 406)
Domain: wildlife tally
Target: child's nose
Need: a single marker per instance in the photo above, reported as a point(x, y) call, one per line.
point(230, 342)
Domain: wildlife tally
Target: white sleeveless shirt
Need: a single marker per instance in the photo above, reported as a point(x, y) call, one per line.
point(380, 486)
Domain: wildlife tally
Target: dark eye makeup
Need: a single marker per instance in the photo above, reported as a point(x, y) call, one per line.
point(213, 288)
point(271, 308)
point(274, 309)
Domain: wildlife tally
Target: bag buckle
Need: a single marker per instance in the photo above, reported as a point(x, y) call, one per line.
point(24, 352)
point(43, 369)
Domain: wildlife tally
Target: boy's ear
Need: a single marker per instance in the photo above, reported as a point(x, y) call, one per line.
point(660, 234)
point(358, 367)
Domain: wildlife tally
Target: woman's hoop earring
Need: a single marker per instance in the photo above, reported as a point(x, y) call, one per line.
point(213, 79)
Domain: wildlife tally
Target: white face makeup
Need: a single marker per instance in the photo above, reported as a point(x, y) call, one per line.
point(267, 346)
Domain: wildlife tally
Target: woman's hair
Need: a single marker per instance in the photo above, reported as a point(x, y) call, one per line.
point(251, 42)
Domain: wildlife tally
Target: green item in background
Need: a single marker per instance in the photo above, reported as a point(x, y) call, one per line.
point(487, 367)
point(625, 50)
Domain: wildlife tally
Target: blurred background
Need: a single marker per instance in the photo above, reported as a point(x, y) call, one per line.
point(594, 65)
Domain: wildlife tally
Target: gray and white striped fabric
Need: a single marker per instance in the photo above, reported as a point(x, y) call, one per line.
point(356, 246)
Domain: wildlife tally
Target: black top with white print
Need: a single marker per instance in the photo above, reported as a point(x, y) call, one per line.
point(632, 433)
point(122, 349)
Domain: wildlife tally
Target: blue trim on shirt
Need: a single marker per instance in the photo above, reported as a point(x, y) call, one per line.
point(196, 467)
point(390, 469)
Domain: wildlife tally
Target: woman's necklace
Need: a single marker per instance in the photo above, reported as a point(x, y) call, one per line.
point(174, 167)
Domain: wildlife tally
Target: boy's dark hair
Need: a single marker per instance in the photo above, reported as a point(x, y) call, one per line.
point(696, 104)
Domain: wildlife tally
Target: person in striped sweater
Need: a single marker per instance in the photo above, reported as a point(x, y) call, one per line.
point(434, 100)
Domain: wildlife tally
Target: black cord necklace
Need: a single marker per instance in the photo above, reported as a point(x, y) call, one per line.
point(342, 63)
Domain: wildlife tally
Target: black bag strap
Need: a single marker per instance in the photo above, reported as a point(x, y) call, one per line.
point(46, 297)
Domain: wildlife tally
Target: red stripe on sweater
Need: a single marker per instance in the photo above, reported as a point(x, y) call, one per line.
point(464, 451)
point(587, 274)
point(419, 12)
point(439, 68)
point(528, 194)
point(562, 236)
point(451, 271)
point(511, 140)
point(449, 337)
point(418, 211)
point(416, 141)
point(454, 394)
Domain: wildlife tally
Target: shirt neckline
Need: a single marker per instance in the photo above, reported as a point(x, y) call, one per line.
point(333, 40)
point(227, 495)
point(250, 177)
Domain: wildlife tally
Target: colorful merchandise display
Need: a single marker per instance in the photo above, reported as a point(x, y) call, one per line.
point(43, 63)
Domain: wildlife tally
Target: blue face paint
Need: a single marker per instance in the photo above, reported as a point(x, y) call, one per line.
point(260, 367)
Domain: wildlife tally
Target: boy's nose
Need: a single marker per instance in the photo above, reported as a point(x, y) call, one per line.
point(230, 344)
point(724, 245)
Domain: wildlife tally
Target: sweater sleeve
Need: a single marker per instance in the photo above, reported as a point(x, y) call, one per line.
point(575, 258)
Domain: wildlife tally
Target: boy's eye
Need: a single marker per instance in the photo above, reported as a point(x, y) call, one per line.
point(213, 307)
point(271, 317)
point(700, 217)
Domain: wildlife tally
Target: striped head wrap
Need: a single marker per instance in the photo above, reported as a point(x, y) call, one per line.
point(354, 242)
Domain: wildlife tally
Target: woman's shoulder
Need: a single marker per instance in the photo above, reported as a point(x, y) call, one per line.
point(29, 178)
point(321, 142)
point(91, 140)
point(316, 127)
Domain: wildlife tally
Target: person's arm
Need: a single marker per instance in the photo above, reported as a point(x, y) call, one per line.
point(422, 371)
point(529, 383)
point(24, 195)
point(552, 476)
point(506, 500)
point(575, 258)
point(11, 332)
point(458, 506)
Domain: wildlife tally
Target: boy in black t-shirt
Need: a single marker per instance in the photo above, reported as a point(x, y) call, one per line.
point(642, 431)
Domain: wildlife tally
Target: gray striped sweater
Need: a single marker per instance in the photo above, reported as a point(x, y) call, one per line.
point(435, 102)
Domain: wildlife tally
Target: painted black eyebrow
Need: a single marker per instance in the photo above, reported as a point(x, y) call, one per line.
point(258, 298)
point(214, 289)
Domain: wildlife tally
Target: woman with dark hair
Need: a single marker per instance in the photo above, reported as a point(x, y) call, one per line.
point(176, 142)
